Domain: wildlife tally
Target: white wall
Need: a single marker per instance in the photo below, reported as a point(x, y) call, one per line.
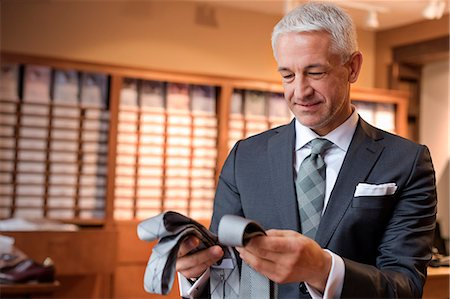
point(434, 130)
point(159, 35)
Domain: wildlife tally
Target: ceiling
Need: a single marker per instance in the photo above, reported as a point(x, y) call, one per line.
point(390, 13)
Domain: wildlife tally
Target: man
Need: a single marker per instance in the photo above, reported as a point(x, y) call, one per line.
point(376, 226)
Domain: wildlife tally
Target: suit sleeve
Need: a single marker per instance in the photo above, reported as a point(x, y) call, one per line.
point(227, 199)
point(405, 248)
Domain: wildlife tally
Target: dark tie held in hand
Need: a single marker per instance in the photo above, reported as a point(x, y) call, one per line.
point(171, 228)
point(310, 187)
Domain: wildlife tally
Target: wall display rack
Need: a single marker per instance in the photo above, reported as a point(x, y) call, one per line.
point(166, 149)
point(54, 144)
point(91, 144)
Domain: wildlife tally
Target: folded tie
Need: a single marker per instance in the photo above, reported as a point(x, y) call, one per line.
point(171, 228)
point(237, 231)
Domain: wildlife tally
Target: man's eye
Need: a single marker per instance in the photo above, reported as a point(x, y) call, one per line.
point(316, 74)
point(287, 76)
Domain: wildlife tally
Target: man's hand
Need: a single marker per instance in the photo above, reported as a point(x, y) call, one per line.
point(287, 256)
point(194, 265)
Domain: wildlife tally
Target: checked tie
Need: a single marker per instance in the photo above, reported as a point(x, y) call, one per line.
point(310, 187)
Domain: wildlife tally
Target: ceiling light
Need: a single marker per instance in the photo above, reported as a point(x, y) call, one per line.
point(429, 10)
point(371, 9)
point(434, 10)
point(372, 19)
point(440, 9)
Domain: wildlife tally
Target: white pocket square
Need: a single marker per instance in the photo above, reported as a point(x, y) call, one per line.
point(364, 189)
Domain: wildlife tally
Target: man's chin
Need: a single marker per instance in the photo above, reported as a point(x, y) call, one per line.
point(317, 125)
point(308, 121)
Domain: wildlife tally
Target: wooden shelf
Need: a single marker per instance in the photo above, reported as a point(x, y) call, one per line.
point(437, 285)
point(27, 290)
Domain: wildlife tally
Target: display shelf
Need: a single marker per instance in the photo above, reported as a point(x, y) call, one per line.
point(53, 144)
point(88, 152)
point(167, 149)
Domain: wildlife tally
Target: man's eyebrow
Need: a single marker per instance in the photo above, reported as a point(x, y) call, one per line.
point(282, 68)
point(316, 65)
point(311, 66)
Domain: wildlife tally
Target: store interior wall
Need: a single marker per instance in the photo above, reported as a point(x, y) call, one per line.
point(434, 131)
point(434, 112)
point(386, 40)
point(160, 35)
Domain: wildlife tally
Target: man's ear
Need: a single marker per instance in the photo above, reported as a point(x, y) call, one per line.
point(354, 64)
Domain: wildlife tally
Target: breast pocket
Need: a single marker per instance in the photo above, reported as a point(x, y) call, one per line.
point(373, 202)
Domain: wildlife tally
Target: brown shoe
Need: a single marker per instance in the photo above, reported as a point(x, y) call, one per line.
point(28, 270)
point(11, 259)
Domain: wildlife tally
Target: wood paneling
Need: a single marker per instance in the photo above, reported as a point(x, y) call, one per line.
point(84, 260)
point(90, 251)
point(437, 285)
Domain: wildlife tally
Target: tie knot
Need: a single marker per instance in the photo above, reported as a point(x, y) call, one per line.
point(320, 145)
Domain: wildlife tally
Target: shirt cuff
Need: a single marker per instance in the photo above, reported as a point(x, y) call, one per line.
point(189, 289)
point(335, 282)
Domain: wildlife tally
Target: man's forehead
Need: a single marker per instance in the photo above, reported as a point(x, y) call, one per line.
point(305, 50)
point(322, 34)
point(303, 42)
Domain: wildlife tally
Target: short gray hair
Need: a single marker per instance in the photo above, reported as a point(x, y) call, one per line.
point(320, 16)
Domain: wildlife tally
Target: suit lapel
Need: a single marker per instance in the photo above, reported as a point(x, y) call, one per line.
point(362, 154)
point(281, 154)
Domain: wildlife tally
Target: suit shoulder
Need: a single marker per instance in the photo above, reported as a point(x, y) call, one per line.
point(263, 137)
point(392, 139)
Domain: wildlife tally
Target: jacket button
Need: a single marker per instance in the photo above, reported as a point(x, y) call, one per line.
point(303, 288)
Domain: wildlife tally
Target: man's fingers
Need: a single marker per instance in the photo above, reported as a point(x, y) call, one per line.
point(281, 232)
point(276, 241)
point(259, 246)
point(286, 257)
point(187, 245)
point(193, 265)
point(266, 267)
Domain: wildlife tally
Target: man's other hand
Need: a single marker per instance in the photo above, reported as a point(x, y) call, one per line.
point(288, 256)
point(195, 264)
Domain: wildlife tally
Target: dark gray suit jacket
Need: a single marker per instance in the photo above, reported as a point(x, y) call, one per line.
point(385, 241)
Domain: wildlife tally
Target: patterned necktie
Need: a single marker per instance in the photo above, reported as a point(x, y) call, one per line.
point(310, 186)
point(171, 228)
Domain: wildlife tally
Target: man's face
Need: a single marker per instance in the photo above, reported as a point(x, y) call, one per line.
point(316, 82)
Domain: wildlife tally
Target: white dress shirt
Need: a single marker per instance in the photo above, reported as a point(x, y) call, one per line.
point(333, 157)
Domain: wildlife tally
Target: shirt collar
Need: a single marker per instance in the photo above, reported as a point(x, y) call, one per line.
point(341, 136)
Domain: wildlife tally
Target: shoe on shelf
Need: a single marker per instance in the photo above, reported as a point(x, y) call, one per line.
point(28, 271)
point(11, 258)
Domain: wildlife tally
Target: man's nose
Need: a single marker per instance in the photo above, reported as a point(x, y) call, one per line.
point(303, 88)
